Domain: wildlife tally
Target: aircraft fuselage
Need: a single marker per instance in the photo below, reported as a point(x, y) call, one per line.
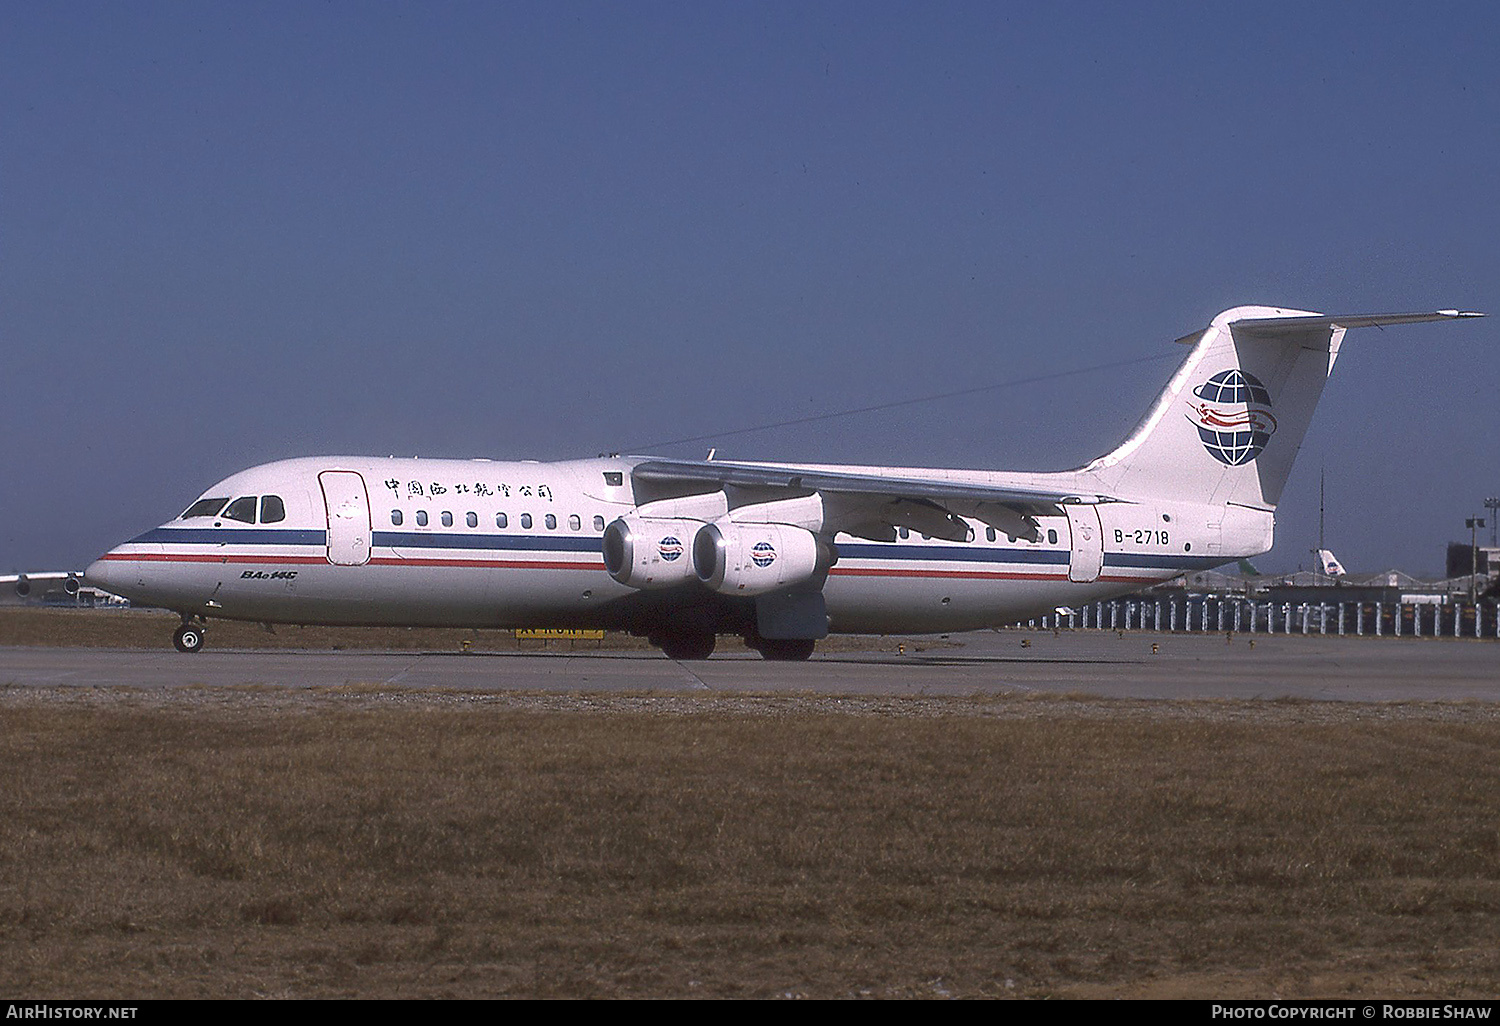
point(479, 543)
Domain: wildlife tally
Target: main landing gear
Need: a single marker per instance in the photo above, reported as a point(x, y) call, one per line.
point(786, 650)
point(189, 637)
point(688, 647)
point(685, 646)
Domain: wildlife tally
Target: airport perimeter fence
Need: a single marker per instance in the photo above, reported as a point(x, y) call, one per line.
point(1234, 613)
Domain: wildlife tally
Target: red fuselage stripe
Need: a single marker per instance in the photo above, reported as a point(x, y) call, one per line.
point(203, 557)
point(521, 564)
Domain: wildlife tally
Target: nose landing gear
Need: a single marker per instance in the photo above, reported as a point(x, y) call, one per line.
point(189, 637)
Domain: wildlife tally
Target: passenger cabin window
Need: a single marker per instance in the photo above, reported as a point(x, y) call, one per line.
point(421, 518)
point(472, 519)
point(989, 534)
point(447, 519)
point(396, 517)
point(526, 521)
point(272, 509)
point(242, 510)
point(902, 532)
point(204, 508)
point(1052, 537)
point(598, 523)
point(551, 522)
point(501, 520)
point(574, 523)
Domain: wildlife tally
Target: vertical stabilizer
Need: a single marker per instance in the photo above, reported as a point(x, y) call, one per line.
point(1329, 565)
point(1228, 425)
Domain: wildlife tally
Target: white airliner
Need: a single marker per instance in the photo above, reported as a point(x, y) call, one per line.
point(782, 554)
point(23, 583)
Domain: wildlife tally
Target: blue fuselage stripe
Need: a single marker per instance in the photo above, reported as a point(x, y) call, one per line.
point(952, 555)
point(592, 544)
point(231, 536)
point(521, 543)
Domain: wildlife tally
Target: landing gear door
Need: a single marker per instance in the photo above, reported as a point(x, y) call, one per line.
point(1086, 559)
point(348, 517)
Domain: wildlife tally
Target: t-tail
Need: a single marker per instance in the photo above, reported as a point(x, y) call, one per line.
point(1228, 425)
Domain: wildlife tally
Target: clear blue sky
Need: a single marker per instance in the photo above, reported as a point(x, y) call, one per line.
point(236, 232)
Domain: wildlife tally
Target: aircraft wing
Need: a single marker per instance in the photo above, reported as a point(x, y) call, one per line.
point(930, 505)
point(22, 582)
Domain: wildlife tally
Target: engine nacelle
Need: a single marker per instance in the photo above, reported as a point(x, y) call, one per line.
point(643, 552)
point(752, 559)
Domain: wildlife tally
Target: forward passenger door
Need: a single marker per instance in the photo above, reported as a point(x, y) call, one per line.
point(348, 503)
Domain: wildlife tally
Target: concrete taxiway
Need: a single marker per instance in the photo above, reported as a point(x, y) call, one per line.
point(1137, 665)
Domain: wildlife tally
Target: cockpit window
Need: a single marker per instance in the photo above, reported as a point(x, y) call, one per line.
point(241, 509)
point(272, 509)
point(204, 508)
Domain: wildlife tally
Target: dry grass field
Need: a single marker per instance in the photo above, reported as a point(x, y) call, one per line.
point(377, 841)
point(380, 842)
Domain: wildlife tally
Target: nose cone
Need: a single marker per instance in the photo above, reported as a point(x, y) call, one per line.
point(143, 572)
point(99, 574)
point(119, 571)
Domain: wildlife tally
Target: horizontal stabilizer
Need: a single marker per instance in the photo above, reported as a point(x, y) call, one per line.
point(1272, 326)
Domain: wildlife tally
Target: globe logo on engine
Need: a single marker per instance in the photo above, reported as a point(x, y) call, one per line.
point(762, 554)
point(1232, 412)
point(670, 549)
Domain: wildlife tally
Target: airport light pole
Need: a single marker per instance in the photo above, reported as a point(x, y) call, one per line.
point(1474, 524)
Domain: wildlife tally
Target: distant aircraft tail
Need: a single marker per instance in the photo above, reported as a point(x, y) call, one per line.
point(1228, 425)
point(1329, 564)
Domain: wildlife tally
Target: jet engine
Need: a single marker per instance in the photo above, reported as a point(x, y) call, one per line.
point(752, 559)
point(643, 552)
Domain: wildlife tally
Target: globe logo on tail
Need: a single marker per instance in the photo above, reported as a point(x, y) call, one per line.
point(1232, 412)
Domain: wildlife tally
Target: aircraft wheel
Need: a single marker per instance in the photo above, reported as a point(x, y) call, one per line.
point(787, 649)
point(188, 638)
point(688, 646)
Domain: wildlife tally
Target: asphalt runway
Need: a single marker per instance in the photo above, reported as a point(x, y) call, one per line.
point(1097, 663)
